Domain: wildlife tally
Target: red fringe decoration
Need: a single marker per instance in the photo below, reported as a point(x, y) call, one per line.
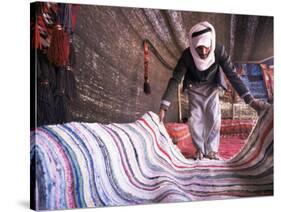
point(58, 51)
point(36, 40)
point(146, 86)
point(50, 7)
point(74, 11)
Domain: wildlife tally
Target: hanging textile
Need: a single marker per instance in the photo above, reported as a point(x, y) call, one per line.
point(52, 28)
point(45, 86)
point(267, 72)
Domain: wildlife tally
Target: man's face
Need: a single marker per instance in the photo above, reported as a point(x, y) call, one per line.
point(203, 51)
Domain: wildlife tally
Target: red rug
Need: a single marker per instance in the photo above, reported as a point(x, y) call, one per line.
point(234, 134)
point(229, 146)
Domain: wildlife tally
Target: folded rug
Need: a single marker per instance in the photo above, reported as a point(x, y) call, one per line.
point(78, 165)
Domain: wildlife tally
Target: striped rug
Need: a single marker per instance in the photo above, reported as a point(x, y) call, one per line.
point(79, 165)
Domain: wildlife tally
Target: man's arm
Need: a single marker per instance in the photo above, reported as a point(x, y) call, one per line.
point(173, 83)
point(237, 83)
point(231, 74)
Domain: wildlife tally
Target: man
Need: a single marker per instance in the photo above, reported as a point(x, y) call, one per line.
point(202, 65)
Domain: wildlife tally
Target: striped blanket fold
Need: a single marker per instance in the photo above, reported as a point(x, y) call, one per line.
point(78, 165)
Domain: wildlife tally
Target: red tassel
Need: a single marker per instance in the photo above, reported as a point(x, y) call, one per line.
point(74, 11)
point(58, 51)
point(146, 86)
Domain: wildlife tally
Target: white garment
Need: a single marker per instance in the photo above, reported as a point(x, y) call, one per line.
point(204, 118)
point(207, 39)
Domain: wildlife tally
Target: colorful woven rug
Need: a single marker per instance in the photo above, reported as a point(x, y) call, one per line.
point(78, 165)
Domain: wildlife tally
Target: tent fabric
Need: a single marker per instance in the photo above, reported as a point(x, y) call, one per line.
point(80, 165)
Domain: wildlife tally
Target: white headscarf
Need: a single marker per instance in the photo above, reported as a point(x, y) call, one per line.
point(207, 39)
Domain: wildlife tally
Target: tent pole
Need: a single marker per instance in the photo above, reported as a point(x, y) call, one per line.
point(179, 104)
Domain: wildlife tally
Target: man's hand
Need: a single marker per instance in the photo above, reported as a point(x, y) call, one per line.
point(259, 105)
point(161, 114)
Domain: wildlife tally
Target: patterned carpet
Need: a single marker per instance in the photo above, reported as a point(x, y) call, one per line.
point(234, 134)
point(229, 147)
point(79, 165)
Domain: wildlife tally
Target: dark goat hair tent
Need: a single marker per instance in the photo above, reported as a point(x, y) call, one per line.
point(107, 43)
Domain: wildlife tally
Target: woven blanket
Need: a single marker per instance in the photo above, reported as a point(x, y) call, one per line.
point(78, 165)
point(234, 134)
